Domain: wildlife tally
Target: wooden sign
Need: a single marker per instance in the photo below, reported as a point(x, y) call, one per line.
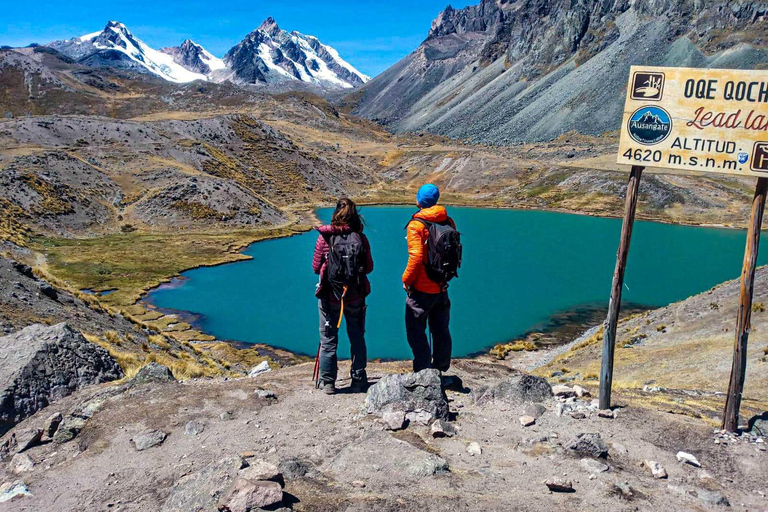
point(698, 120)
point(695, 120)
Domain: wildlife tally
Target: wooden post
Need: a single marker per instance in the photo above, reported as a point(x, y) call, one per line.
point(609, 329)
point(739, 366)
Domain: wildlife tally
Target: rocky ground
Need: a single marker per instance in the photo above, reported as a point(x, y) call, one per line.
point(181, 446)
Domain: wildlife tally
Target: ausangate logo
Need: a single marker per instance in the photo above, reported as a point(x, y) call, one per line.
point(650, 125)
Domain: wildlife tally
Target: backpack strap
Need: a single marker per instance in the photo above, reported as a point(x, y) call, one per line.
point(426, 223)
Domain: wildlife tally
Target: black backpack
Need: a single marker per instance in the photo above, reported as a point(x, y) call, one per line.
point(443, 251)
point(346, 263)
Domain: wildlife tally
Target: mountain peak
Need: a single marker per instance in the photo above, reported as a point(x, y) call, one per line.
point(269, 26)
point(116, 25)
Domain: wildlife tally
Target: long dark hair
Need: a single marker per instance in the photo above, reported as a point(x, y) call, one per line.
point(346, 214)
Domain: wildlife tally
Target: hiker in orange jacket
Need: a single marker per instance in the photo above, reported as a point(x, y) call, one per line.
point(427, 302)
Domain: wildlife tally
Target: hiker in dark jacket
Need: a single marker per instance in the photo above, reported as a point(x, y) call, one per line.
point(427, 301)
point(346, 221)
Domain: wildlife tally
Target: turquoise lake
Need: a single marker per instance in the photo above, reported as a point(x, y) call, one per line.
point(520, 268)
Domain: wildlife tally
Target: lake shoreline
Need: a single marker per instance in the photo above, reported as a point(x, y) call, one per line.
point(560, 333)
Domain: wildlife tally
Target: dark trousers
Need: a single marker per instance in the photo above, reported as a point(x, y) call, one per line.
point(354, 317)
point(433, 309)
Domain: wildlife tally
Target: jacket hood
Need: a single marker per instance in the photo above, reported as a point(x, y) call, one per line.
point(335, 230)
point(435, 213)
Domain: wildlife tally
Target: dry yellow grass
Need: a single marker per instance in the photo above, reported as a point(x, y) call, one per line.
point(501, 350)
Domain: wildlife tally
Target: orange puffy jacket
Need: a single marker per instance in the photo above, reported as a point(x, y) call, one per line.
point(415, 275)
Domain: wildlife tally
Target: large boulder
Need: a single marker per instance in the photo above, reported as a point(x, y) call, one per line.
point(410, 392)
point(154, 373)
point(518, 389)
point(42, 363)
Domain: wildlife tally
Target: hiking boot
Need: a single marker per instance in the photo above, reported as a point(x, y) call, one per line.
point(329, 388)
point(359, 386)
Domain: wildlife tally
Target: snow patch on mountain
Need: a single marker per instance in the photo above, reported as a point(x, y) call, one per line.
point(97, 47)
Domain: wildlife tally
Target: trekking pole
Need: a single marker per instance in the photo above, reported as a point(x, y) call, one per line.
point(316, 372)
point(341, 313)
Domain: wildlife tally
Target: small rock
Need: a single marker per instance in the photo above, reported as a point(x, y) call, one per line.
point(559, 485)
point(441, 428)
point(262, 367)
point(429, 466)
point(712, 498)
point(51, 424)
point(194, 428)
point(578, 415)
point(619, 449)
point(453, 383)
point(265, 393)
point(563, 391)
point(655, 468)
point(10, 490)
point(624, 489)
point(589, 444)
point(21, 463)
point(422, 417)
point(474, 449)
point(19, 441)
point(518, 389)
point(594, 466)
point(580, 391)
point(261, 470)
point(225, 416)
point(293, 468)
point(245, 495)
point(535, 410)
point(688, 459)
point(358, 484)
point(527, 421)
point(68, 429)
point(49, 291)
point(149, 439)
point(394, 420)
point(605, 413)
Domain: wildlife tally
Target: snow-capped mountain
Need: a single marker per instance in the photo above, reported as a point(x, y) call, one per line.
point(194, 58)
point(266, 55)
point(271, 54)
point(115, 46)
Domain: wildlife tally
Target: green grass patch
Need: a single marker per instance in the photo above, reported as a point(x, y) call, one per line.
point(132, 263)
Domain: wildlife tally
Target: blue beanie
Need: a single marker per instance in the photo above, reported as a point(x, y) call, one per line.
point(428, 195)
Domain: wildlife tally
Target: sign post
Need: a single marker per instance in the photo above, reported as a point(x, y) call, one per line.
point(739, 366)
point(694, 121)
point(614, 305)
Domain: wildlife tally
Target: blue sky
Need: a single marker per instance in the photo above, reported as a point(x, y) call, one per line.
point(371, 35)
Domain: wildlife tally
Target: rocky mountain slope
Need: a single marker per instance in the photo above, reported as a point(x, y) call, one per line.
point(508, 71)
point(268, 55)
point(682, 351)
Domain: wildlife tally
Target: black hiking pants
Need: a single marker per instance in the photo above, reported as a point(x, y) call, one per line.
point(433, 309)
point(354, 317)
